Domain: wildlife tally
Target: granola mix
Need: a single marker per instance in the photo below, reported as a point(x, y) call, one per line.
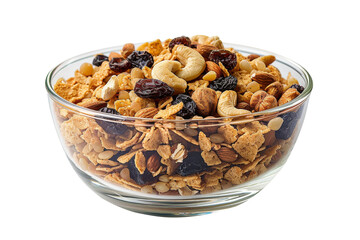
point(178, 79)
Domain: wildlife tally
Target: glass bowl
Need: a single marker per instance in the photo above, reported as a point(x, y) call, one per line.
point(179, 184)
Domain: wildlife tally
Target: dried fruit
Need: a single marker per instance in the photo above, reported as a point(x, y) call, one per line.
point(189, 108)
point(227, 58)
point(288, 126)
point(194, 163)
point(180, 41)
point(99, 59)
point(119, 64)
point(141, 179)
point(224, 83)
point(152, 88)
point(111, 127)
point(299, 88)
point(141, 59)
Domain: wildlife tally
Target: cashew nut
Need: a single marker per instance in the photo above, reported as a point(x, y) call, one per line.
point(110, 89)
point(202, 39)
point(226, 105)
point(192, 60)
point(164, 71)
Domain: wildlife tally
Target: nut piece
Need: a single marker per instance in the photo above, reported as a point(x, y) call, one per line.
point(205, 50)
point(127, 49)
point(227, 154)
point(206, 100)
point(149, 112)
point(288, 95)
point(110, 89)
point(275, 89)
point(226, 105)
point(153, 163)
point(164, 71)
point(194, 63)
point(261, 101)
point(253, 56)
point(267, 59)
point(211, 66)
point(95, 105)
point(243, 105)
point(263, 78)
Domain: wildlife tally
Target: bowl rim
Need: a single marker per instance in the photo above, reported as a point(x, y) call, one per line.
point(112, 117)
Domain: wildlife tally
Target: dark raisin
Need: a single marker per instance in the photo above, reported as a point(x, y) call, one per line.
point(189, 108)
point(299, 88)
point(288, 126)
point(152, 88)
point(140, 59)
point(227, 58)
point(141, 179)
point(119, 65)
point(99, 59)
point(111, 127)
point(194, 163)
point(180, 41)
point(224, 83)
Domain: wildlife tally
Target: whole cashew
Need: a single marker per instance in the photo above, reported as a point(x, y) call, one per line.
point(192, 60)
point(110, 89)
point(164, 71)
point(226, 105)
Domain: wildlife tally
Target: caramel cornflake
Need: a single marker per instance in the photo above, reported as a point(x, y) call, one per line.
point(259, 169)
point(164, 151)
point(109, 169)
point(127, 156)
point(270, 153)
point(204, 142)
point(73, 93)
point(115, 178)
point(248, 144)
point(123, 145)
point(122, 105)
point(176, 185)
point(252, 165)
point(186, 191)
point(198, 84)
point(229, 133)
point(107, 162)
point(140, 162)
point(212, 179)
point(124, 81)
point(147, 71)
point(210, 158)
point(253, 127)
point(142, 47)
point(169, 111)
point(152, 139)
point(234, 175)
point(170, 164)
point(155, 47)
point(210, 189)
point(164, 102)
point(186, 137)
point(109, 143)
point(165, 135)
point(99, 76)
point(70, 132)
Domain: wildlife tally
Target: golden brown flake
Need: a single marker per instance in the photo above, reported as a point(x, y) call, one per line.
point(210, 158)
point(169, 111)
point(248, 144)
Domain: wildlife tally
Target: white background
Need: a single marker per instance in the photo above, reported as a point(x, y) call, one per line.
point(315, 196)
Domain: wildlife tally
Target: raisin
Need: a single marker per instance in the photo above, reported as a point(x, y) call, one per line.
point(119, 65)
point(227, 58)
point(111, 127)
point(189, 108)
point(224, 83)
point(288, 126)
point(140, 59)
point(141, 179)
point(299, 88)
point(152, 88)
point(180, 41)
point(99, 59)
point(194, 163)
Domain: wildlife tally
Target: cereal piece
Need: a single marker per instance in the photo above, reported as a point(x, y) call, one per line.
point(123, 145)
point(204, 142)
point(169, 111)
point(259, 169)
point(252, 165)
point(229, 133)
point(109, 143)
point(210, 189)
point(155, 47)
point(210, 158)
point(223, 69)
point(164, 135)
point(127, 156)
point(152, 139)
point(98, 77)
point(73, 93)
point(198, 84)
point(186, 191)
point(171, 165)
point(186, 137)
point(109, 169)
point(253, 127)
point(234, 175)
point(212, 179)
point(164, 151)
point(140, 162)
point(164, 102)
point(248, 144)
point(70, 132)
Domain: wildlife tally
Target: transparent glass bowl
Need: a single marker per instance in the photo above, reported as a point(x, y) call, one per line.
point(224, 185)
